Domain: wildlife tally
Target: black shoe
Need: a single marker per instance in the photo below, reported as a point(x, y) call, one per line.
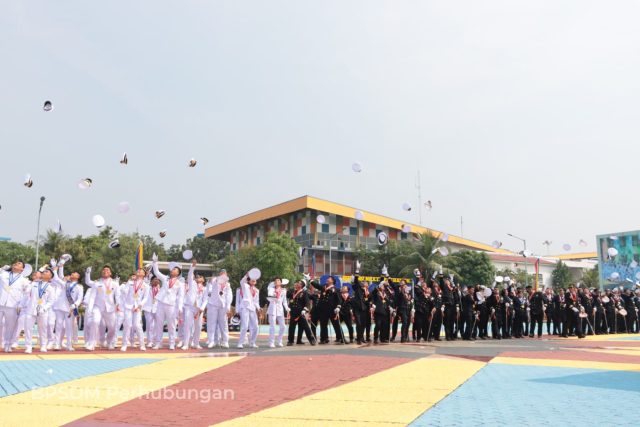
point(300, 343)
point(289, 344)
point(313, 342)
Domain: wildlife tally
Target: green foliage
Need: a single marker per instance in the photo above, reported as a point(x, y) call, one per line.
point(207, 251)
point(471, 267)
point(422, 255)
point(373, 260)
point(591, 278)
point(11, 251)
point(560, 276)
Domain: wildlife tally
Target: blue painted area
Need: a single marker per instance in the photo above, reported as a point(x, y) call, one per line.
point(626, 339)
point(17, 376)
point(501, 394)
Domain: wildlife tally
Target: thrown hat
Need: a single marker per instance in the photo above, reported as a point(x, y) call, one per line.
point(48, 106)
point(124, 160)
point(114, 244)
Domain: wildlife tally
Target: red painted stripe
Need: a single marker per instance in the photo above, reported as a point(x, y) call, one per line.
point(258, 383)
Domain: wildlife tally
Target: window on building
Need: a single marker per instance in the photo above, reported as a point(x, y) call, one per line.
point(304, 229)
point(353, 231)
point(325, 228)
point(257, 241)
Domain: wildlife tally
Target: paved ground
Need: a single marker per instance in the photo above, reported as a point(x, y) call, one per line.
point(546, 381)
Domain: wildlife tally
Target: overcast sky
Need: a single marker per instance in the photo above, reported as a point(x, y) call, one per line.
point(521, 116)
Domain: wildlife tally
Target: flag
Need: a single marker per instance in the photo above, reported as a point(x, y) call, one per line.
point(537, 267)
point(139, 259)
point(313, 265)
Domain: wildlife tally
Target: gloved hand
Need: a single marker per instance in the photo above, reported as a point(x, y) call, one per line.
point(154, 257)
point(53, 263)
point(88, 270)
point(336, 310)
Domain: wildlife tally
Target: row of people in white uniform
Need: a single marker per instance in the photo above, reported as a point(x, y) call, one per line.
point(51, 300)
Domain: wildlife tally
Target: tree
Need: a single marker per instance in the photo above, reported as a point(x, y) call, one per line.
point(423, 255)
point(12, 251)
point(208, 251)
point(591, 278)
point(560, 276)
point(372, 261)
point(471, 267)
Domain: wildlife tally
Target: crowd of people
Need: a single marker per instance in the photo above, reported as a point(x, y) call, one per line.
point(149, 301)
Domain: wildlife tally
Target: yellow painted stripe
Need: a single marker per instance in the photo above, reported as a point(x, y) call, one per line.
point(395, 396)
point(612, 337)
point(87, 355)
point(69, 401)
point(619, 351)
point(584, 364)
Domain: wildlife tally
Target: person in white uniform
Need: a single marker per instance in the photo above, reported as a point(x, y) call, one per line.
point(102, 305)
point(219, 299)
point(13, 287)
point(69, 295)
point(191, 307)
point(170, 302)
point(20, 324)
point(36, 306)
point(149, 307)
point(250, 305)
point(201, 302)
point(277, 297)
point(132, 295)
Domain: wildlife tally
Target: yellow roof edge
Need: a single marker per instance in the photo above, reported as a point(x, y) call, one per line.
point(577, 255)
point(310, 202)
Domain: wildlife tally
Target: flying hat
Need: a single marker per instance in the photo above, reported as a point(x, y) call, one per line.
point(98, 221)
point(406, 228)
point(187, 255)
point(204, 221)
point(66, 257)
point(160, 213)
point(428, 205)
point(28, 269)
point(48, 106)
point(85, 183)
point(406, 206)
point(496, 244)
point(382, 238)
point(123, 207)
point(444, 237)
point(356, 167)
point(359, 215)
point(612, 252)
point(28, 182)
point(163, 233)
point(124, 160)
point(254, 273)
point(114, 244)
point(320, 219)
point(443, 251)
point(582, 243)
point(566, 247)
point(192, 163)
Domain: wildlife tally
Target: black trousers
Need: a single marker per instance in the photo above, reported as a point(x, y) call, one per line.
point(324, 327)
point(467, 325)
point(496, 325)
point(361, 321)
point(381, 329)
point(420, 326)
point(402, 315)
point(436, 324)
point(349, 323)
point(549, 317)
point(483, 321)
point(303, 326)
point(449, 321)
point(518, 323)
point(536, 319)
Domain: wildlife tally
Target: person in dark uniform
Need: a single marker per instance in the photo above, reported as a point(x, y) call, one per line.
point(390, 288)
point(520, 313)
point(468, 313)
point(548, 294)
point(609, 312)
point(584, 297)
point(360, 306)
point(457, 300)
point(328, 310)
point(449, 308)
point(506, 312)
point(632, 316)
point(537, 304)
point(495, 306)
point(559, 322)
point(298, 315)
point(422, 304)
point(403, 306)
point(382, 311)
point(314, 295)
point(598, 310)
point(483, 312)
point(346, 313)
point(572, 311)
point(437, 312)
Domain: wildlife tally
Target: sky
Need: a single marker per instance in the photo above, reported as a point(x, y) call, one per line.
point(522, 117)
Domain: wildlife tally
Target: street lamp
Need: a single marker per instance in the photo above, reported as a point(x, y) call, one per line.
point(330, 240)
point(524, 254)
point(38, 232)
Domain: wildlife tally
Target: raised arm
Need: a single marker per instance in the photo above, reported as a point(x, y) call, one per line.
point(87, 278)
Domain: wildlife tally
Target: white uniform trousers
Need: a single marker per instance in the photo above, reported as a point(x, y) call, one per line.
point(10, 317)
point(272, 328)
point(217, 326)
point(150, 324)
point(19, 328)
point(166, 313)
point(197, 328)
point(87, 326)
point(248, 322)
point(64, 326)
point(102, 320)
point(132, 323)
point(53, 334)
point(190, 313)
point(120, 323)
point(43, 329)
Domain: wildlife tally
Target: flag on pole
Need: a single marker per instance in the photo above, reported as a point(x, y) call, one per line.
point(139, 259)
point(537, 267)
point(313, 265)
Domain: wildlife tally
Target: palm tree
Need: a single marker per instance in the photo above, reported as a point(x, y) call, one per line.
point(425, 256)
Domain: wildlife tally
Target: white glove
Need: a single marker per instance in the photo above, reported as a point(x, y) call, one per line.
point(528, 309)
point(53, 263)
point(61, 262)
point(6, 267)
point(336, 310)
point(507, 305)
point(88, 270)
point(358, 267)
point(413, 310)
point(303, 313)
point(154, 257)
